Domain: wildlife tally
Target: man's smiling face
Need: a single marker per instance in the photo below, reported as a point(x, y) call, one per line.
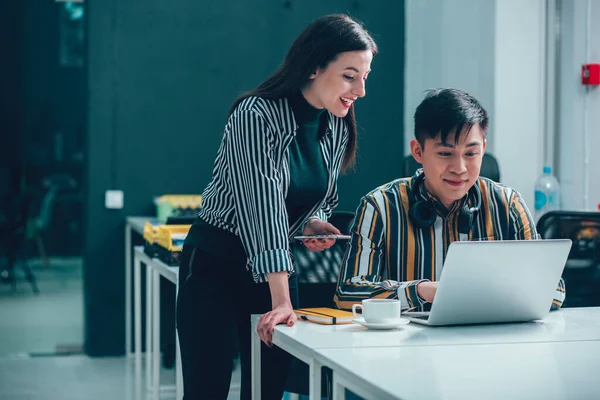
point(450, 168)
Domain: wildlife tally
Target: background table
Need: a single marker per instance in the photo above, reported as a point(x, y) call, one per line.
point(155, 269)
point(132, 224)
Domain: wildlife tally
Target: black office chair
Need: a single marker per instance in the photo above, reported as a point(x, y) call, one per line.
point(322, 267)
point(317, 277)
point(489, 167)
point(582, 270)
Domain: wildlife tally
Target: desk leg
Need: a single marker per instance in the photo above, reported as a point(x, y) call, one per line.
point(127, 290)
point(314, 380)
point(255, 375)
point(149, 326)
point(138, 315)
point(178, 370)
point(339, 391)
point(156, 335)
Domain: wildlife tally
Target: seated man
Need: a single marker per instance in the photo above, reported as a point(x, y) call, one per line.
point(402, 229)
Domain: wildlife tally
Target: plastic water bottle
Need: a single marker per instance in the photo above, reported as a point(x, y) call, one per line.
point(547, 193)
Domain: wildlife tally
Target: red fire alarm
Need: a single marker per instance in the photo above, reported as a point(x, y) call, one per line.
point(590, 74)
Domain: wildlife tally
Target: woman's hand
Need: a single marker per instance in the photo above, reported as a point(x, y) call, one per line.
point(317, 227)
point(282, 314)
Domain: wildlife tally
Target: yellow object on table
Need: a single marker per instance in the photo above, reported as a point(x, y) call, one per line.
point(169, 242)
point(178, 205)
point(150, 238)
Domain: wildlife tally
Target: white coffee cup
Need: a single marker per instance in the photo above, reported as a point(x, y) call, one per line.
point(378, 311)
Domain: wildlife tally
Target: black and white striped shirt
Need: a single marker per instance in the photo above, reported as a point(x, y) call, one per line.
point(251, 176)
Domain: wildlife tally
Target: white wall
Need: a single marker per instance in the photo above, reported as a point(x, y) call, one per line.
point(573, 98)
point(519, 92)
point(449, 43)
point(493, 50)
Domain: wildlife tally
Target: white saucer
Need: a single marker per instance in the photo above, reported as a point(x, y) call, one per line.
point(384, 325)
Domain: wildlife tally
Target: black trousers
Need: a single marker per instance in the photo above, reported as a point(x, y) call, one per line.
point(216, 298)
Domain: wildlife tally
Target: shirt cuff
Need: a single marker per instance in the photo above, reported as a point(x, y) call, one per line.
point(267, 262)
point(407, 293)
point(321, 215)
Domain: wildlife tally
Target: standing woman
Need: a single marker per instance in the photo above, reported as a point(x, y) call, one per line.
point(275, 177)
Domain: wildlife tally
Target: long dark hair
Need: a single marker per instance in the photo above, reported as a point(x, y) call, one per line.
point(317, 46)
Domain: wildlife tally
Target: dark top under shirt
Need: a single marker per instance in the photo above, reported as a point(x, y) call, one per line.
point(308, 172)
point(308, 183)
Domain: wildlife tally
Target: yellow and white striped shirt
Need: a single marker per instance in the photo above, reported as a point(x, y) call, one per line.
point(389, 255)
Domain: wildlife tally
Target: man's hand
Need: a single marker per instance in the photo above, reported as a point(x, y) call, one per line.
point(426, 290)
point(317, 227)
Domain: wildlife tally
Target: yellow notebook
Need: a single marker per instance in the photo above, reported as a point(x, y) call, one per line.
point(325, 316)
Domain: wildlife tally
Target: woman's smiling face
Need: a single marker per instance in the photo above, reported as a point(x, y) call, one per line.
point(340, 83)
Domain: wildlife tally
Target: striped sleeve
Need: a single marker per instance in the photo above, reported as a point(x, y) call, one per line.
point(322, 215)
point(329, 205)
point(364, 264)
point(522, 227)
point(258, 199)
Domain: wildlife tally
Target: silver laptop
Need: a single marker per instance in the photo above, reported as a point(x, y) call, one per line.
point(496, 281)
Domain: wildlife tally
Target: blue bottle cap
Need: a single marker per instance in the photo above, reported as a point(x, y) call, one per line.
point(547, 170)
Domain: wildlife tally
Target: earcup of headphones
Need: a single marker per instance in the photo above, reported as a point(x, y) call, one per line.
point(422, 214)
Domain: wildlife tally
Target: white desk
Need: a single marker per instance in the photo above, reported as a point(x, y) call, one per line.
point(559, 370)
point(135, 224)
point(304, 338)
point(156, 269)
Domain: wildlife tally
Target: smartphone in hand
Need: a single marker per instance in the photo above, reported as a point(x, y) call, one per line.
point(332, 236)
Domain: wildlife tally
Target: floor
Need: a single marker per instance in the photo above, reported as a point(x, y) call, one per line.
point(41, 355)
point(29, 323)
point(79, 377)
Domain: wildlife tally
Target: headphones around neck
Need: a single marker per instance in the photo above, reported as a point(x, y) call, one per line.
point(423, 214)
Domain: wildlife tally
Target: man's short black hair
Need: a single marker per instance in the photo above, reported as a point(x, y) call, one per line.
point(445, 111)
